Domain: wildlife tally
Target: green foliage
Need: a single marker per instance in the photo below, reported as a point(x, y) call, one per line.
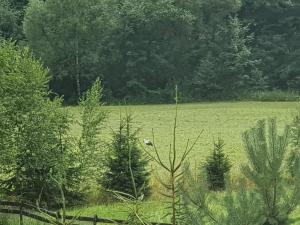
point(173, 167)
point(8, 20)
point(4, 220)
point(90, 152)
point(241, 207)
point(200, 206)
point(267, 152)
point(62, 220)
point(272, 96)
point(144, 66)
point(68, 36)
point(18, 4)
point(12, 220)
point(92, 119)
point(276, 28)
point(217, 166)
point(23, 85)
point(125, 162)
point(34, 139)
point(11, 18)
point(133, 203)
point(294, 157)
point(295, 131)
point(228, 67)
point(270, 202)
point(142, 48)
point(196, 200)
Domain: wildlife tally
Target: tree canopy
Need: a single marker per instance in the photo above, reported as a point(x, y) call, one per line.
point(212, 49)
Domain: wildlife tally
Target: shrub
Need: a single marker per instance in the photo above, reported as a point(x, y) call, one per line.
point(273, 197)
point(123, 152)
point(217, 165)
point(200, 206)
point(91, 150)
point(34, 144)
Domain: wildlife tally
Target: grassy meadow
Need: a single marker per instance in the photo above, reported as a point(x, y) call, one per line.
point(224, 120)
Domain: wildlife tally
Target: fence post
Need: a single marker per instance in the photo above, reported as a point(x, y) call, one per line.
point(21, 213)
point(95, 220)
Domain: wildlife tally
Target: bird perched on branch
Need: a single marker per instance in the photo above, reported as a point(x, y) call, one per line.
point(148, 142)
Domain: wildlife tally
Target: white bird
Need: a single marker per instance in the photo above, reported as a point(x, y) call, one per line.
point(148, 142)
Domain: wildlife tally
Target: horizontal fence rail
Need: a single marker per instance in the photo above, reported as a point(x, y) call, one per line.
point(45, 216)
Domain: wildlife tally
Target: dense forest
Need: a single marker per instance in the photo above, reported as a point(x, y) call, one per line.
point(212, 49)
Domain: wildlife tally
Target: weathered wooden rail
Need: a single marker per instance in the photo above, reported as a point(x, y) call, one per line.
point(39, 214)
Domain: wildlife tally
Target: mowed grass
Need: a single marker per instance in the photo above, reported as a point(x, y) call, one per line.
point(224, 120)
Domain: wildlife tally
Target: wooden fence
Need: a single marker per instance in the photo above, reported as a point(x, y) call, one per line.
point(43, 215)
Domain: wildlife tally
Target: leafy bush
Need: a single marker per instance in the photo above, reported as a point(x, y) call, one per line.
point(34, 145)
point(217, 166)
point(123, 152)
point(92, 118)
point(91, 150)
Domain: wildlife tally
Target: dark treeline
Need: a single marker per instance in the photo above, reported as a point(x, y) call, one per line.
point(213, 49)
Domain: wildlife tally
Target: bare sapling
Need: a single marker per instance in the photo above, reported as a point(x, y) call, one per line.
point(173, 167)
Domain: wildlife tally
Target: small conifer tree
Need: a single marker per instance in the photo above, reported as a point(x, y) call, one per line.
point(267, 152)
point(125, 162)
point(217, 166)
point(91, 148)
point(201, 206)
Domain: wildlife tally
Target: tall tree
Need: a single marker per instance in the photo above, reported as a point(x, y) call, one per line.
point(68, 35)
point(276, 25)
point(211, 49)
point(8, 20)
point(148, 49)
point(11, 19)
point(225, 63)
point(229, 67)
point(19, 4)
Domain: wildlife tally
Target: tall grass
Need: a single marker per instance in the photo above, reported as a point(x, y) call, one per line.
point(14, 220)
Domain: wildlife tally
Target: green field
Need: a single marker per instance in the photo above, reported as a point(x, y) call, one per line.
point(225, 120)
